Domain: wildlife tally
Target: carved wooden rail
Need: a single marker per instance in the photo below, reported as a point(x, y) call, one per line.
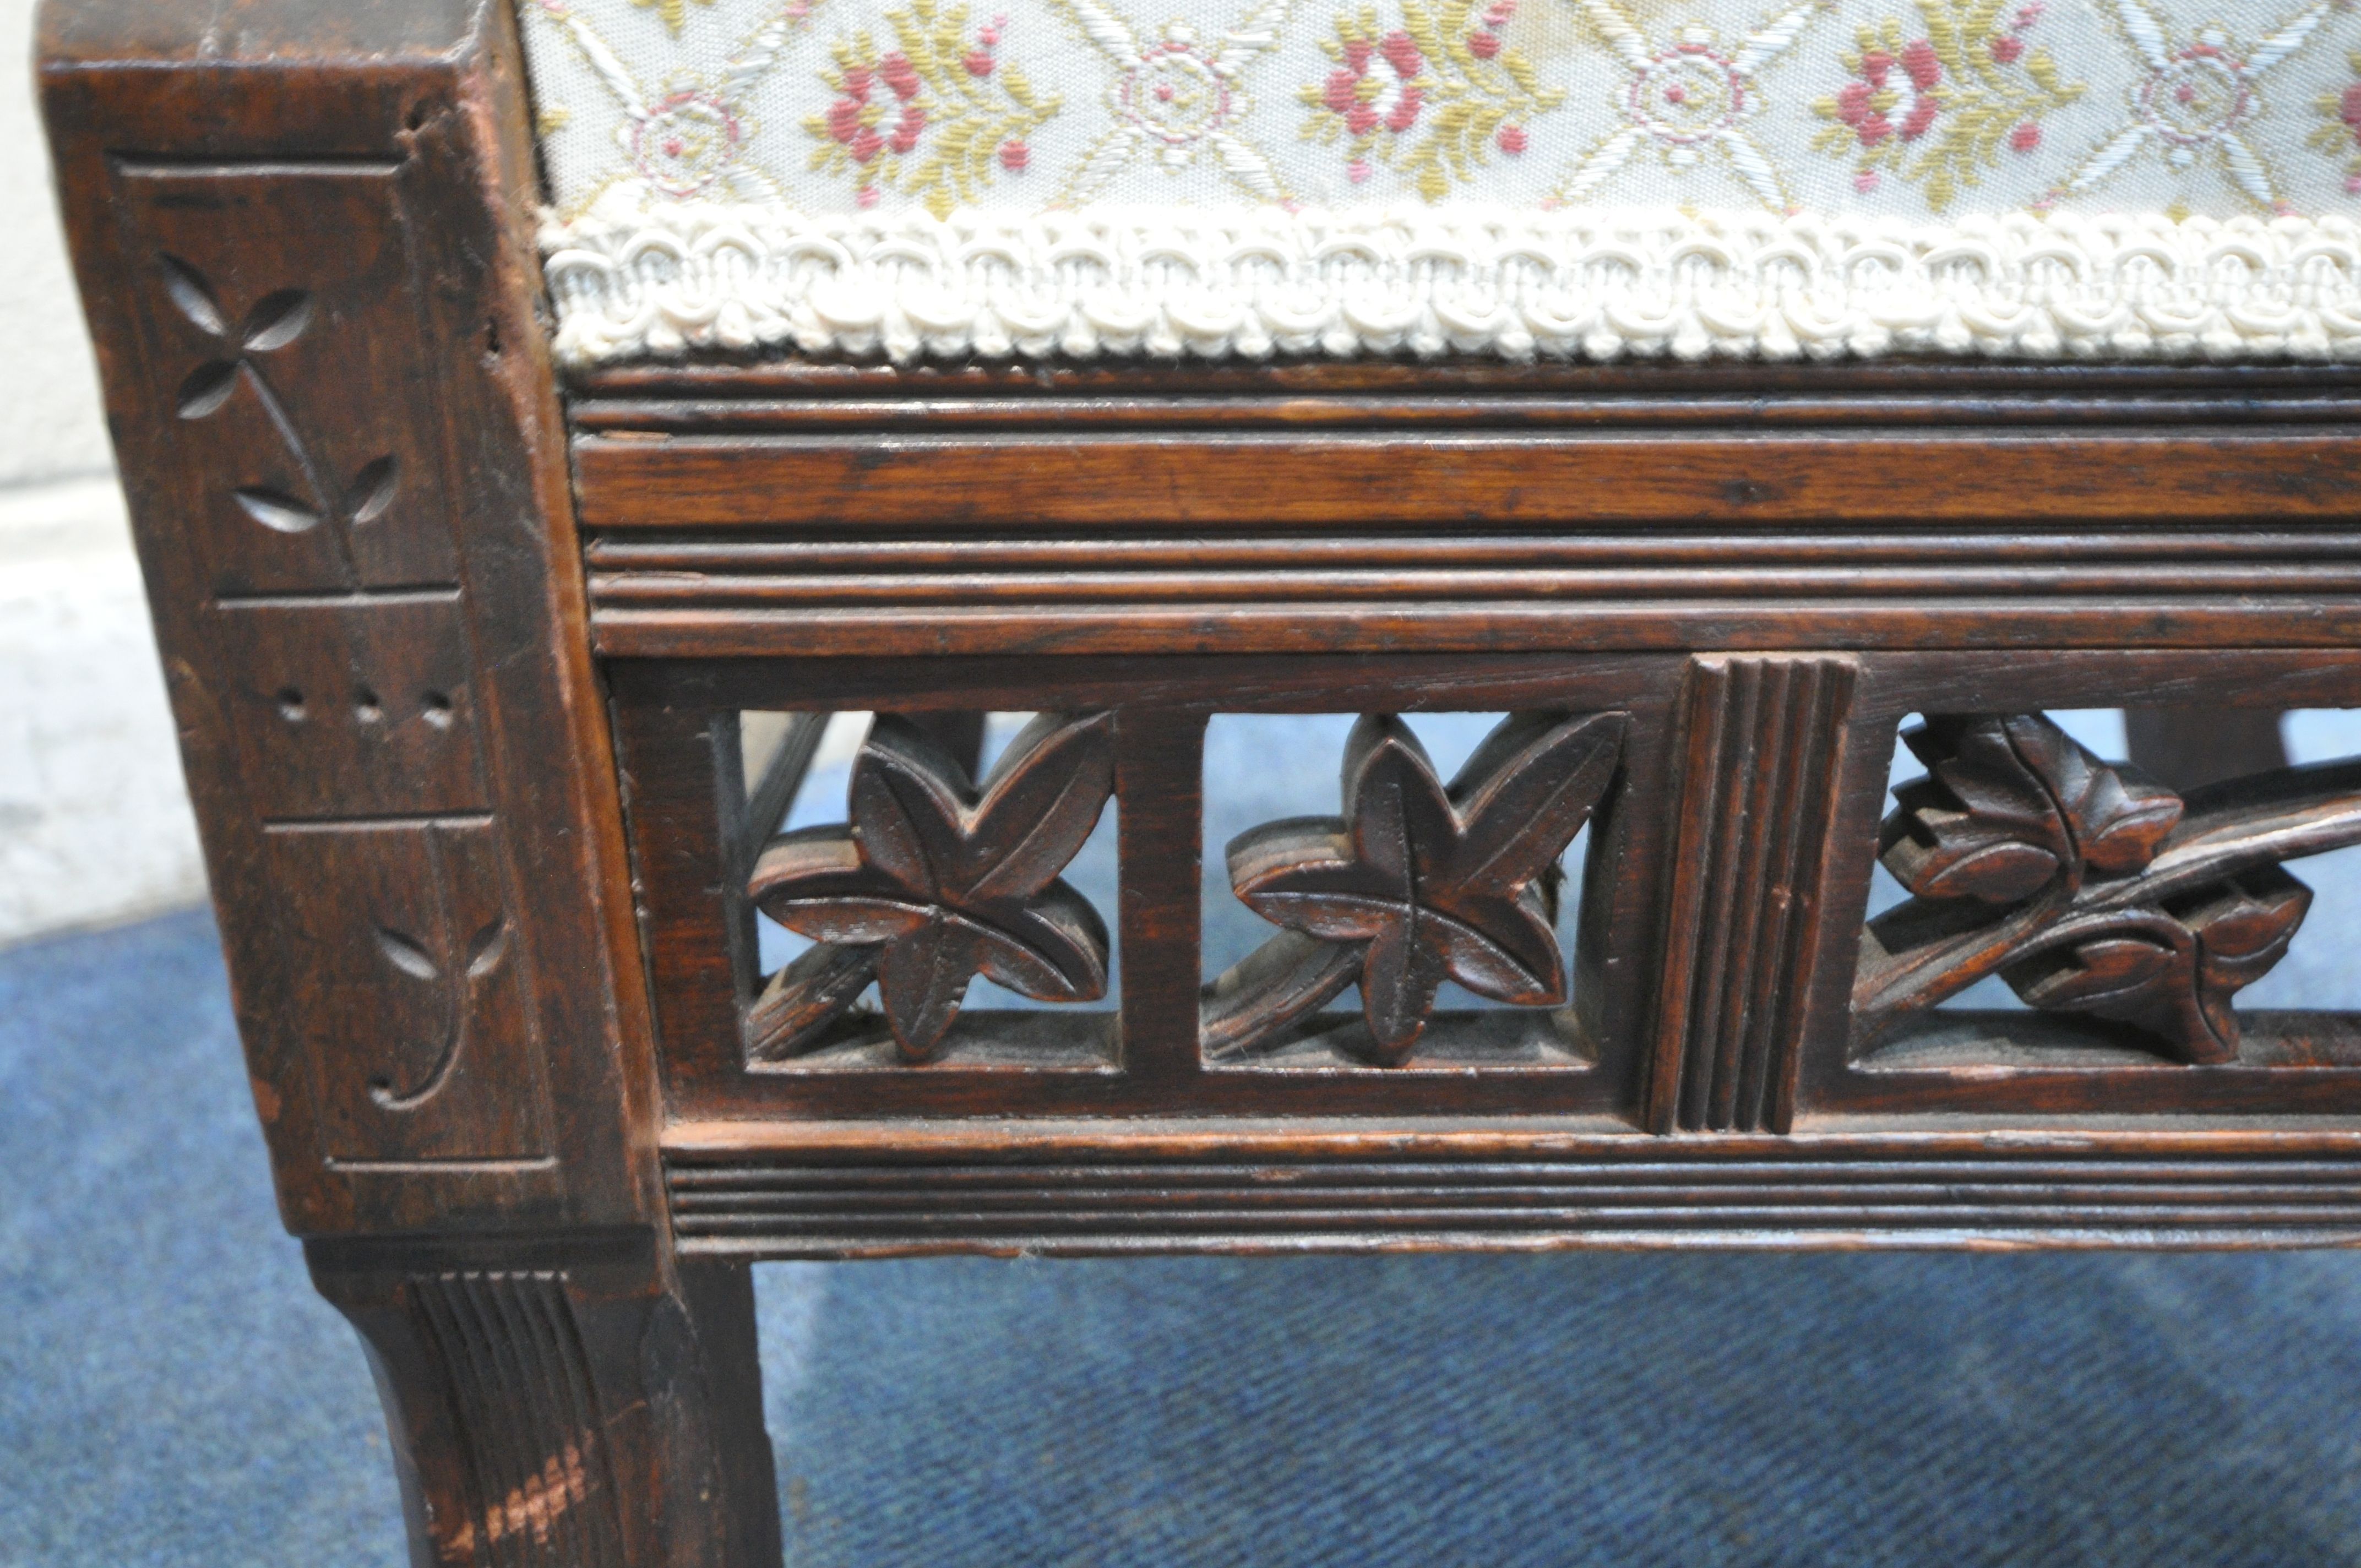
point(1719, 791)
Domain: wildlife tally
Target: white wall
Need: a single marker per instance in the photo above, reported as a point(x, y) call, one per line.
point(94, 823)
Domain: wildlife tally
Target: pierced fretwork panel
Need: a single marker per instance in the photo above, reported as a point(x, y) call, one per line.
point(922, 881)
point(1071, 914)
point(1415, 884)
point(2127, 920)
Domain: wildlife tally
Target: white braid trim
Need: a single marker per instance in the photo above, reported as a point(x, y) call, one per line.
point(1580, 282)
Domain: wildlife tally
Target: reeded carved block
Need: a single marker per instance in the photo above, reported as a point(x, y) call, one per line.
point(1416, 882)
point(1761, 744)
point(538, 1488)
point(406, 969)
point(935, 880)
point(2089, 888)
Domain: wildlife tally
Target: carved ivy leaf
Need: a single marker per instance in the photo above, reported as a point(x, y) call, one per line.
point(805, 997)
point(1436, 883)
point(2171, 973)
point(2012, 804)
point(945, 882)
point(2245, 928)
point(455, 995)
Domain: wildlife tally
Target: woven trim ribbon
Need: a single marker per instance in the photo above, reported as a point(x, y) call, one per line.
point(1576, 283)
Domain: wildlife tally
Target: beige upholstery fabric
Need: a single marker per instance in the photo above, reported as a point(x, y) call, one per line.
point(2093, 178)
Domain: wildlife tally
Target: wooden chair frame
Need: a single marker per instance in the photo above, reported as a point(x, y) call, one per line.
point(459, 648)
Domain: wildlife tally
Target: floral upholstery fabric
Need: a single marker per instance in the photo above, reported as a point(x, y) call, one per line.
point(1585, 178)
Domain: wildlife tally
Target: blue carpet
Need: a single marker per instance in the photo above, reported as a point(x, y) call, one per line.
point(171, 1392)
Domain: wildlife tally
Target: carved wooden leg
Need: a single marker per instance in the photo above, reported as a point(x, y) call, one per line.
point(2182, 748)
point(960, 734)
point(566, 1402)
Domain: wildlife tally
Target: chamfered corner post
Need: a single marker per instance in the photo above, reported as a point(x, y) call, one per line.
point(303, 234)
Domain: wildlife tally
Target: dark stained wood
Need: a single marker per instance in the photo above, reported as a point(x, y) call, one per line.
point(1761, 748)
point(303, 232)
point(531, 1101)
point(1312, 625)
point(707, 995)
point(1160, 783)
point(1079, 1188)
point(349, 497)
point(960, 735)
point(2197, 473)
point(565, 1402)
point(2027, 1068)
point(936, 880)
point(743, 569)
point(1937, 386)
point(2089, 888)
point(1417, 883)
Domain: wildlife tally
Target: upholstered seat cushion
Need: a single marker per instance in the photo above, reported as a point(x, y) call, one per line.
point(1586, 178)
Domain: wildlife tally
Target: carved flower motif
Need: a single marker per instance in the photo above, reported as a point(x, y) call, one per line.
point(935, 881)
point(1432, 883)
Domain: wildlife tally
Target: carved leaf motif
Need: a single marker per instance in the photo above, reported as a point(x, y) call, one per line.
point(456, 993)
point(1431, 883)
point(806, 996)
point(207, 388)
point(276, 321)
point(2013, 803)
point(2154, 917)
point(406, 954)
point(942, 883)
point(2171, 973)
point(487, 950)
point(276, 509)
point(2245, 928)
point(189, 292)
point(374, 488)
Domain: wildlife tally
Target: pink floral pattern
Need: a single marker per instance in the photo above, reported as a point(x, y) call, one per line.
point(930, 117)
point(1433, 99)
point(1939, 110)
point(2340, 136)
